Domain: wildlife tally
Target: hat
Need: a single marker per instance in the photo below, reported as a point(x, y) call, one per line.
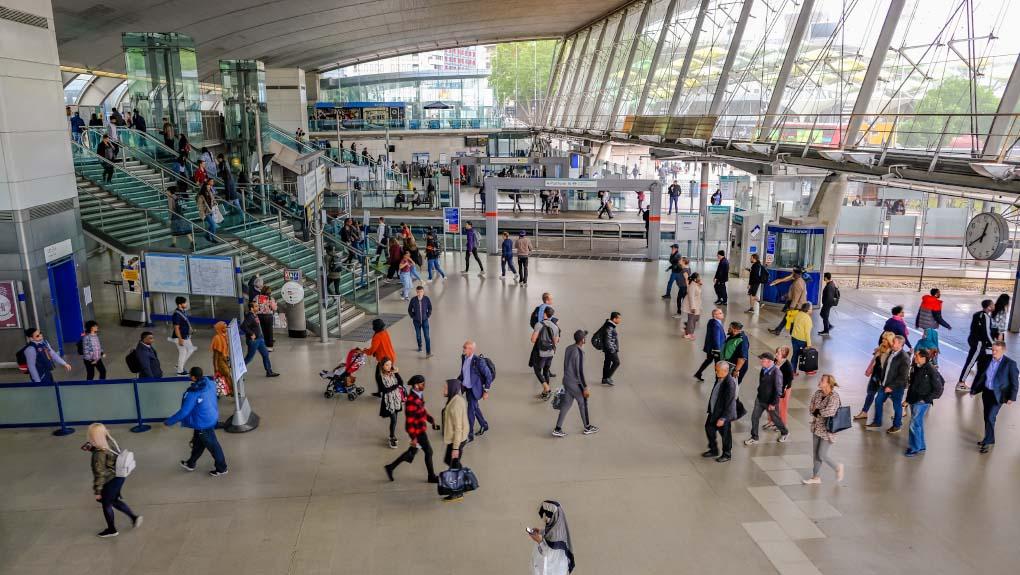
point(579, 335)
point(676, 246)
point(767, 355)
point(523, 233)
point(415, 380)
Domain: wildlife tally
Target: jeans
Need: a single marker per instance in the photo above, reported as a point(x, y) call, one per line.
point(869, 398)
point(91, 368)
point(897, 400)
point(423, 328)
point(474, 411)
point(434, 265)
point(727, 436)
point(522, 263)
point(915, 436)
point(610, 364)
point(414, 274)
point(412, 451)
point(210, 226)
point(183, 353)
point(782, 321)
point(258, 345)
point(820, 450)
point(798, 346)
point(673, 204)
point(542, 366)
point(674, 277)
point(405, 280)
point(467, 260)
point(203, 439)
point(568, 401)
point(504, 262)
point(773, 414)
point(991, 411)
point(110, 499)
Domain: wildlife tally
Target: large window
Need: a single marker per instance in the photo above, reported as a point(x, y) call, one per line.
point(614, 78)
point(671, 58)
point(644, 51)
point(75, 87)
point(590, 92)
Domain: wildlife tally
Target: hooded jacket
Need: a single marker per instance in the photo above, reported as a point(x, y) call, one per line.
point(198, 406)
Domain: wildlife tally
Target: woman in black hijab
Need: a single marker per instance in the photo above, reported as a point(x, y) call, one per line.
point(554, 554)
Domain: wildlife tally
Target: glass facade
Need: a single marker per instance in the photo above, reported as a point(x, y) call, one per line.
point(244, 91)
point(162, 73)
point(644, 51)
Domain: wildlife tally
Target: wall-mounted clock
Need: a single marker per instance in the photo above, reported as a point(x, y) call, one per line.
point(987, 236)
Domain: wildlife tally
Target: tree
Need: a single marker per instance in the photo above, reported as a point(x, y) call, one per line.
point(520, 70)
point(950, 97)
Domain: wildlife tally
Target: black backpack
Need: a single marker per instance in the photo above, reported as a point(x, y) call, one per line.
point(545, 339)
point(598, 338)
point(835, 295)
point(22, 360)
point(763, 276)
point(133, 364)
point(534, 317)
point(490, 364)
point(938, 384)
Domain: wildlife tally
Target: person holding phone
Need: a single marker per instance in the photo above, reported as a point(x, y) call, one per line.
point(554, 554)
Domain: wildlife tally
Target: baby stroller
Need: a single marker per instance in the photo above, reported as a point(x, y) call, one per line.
point(341, 378)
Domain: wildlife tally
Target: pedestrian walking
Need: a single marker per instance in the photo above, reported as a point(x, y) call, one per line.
point(875, 371)
point(770, 391)
point(381, 348)
point(786, 369)
point(433, 251)
point(523, 247)
point(92, 351)
point(925, 386)
point(674, 270)
point(544, 338)
point(554, 554)
point(715, 335)
point(506, 258)
point(830, 299)
point(722, 275)
point(255, 339)
point(476, 380)
point(105, 483)
point(406, 266)
point(391, 402)
point(825, 402)
point(929, 313)
point(736, 350)
point(267, 314)
point(997, 383)
point(181, 323)
point(200, 412)
point(692, 305)
point(681, 286)
point(148, 359)
point(1000, 317)
point(575, 386)
point(722, 411)
point(455, 429)
point(420, 310)
point(471, 250)
point(609, 343)
point(979, 341)
point(800, 334)
point(757, 276)
point(417, 420)
point(382, 236)
point(895, 375)
point(898, 325)
point(796, 296)
point(396, 254)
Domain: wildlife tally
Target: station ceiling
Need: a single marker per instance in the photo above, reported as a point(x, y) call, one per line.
point(310, 34)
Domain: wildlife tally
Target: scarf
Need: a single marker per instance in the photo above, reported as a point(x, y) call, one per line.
point(453, 389)
point(219, 341)
point(556, 533)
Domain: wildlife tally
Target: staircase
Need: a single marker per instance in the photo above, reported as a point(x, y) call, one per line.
point(131, 213)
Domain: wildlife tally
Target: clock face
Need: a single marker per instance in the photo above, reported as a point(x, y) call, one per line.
point(987, 236)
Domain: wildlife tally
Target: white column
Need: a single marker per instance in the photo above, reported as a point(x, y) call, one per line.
point(286, 98)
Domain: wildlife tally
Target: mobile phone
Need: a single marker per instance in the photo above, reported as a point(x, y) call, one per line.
point(530, 530)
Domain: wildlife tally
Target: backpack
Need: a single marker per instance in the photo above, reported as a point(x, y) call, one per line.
point(835, 296)
point(489, 364)
point(545, 339)
point(534, 317)
point(22, 360)
point(598, 338)
point(125, 460)
point(938, 384)
point(133, 364)
point(763, 275)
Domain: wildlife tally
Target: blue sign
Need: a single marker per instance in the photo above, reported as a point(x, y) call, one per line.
point(770, 244)
point(292, 275)
point(451, 220)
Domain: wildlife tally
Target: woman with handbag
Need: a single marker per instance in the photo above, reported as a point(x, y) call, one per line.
point(874, 371)
point(392, 401)
point(105, 482)
point(267, 313)
point(208, 210)
point(455, 429)
point(221, 360)
point(824, 404)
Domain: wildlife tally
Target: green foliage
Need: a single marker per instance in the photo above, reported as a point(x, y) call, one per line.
point(520, 68)
point(950, 97)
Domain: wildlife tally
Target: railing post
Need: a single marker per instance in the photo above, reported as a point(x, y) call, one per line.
point(988, 269)
point(138, 410)
point(860, 262)
point(64, 429)
point(920, 279)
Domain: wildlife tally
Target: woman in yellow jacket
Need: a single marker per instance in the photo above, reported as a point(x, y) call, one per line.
point(800, 333)
point(221, 356)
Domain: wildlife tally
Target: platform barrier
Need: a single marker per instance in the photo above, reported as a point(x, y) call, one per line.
point(113, 401)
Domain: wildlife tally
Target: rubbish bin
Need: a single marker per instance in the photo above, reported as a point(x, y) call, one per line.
point(294, 301)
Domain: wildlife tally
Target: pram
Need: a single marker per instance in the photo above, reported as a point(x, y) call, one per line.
point(340, 380)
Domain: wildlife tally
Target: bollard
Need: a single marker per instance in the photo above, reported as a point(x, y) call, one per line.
point(64, 429)
point(138, 410)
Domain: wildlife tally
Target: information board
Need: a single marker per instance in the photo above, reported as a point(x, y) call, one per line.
point(717, 225)
point(212, 275)
point(451, 220)
point(166, 273)
point(237, 366)
point(10, 313)
point(686, 227)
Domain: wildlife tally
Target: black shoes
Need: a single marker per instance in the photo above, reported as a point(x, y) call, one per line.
point(188, 468)
point(482, 431)
point(710, 453)
point(433, 479)
point(108, 533)
point(272, 374)
point(698, 377)
point(389, 472)
point(723, 458)
point(665, 296)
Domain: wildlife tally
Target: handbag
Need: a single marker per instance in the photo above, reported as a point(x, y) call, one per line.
point(217, 215)
point(741, 410)
point(557, 398)
point(840, 421)
point(221, 385)
point(454, 481)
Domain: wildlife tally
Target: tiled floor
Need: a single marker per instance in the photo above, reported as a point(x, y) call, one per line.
point(306, 493)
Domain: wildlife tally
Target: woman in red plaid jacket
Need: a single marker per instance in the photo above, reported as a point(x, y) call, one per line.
point(418, 417)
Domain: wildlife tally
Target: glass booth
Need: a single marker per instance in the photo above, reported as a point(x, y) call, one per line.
point(787, 247)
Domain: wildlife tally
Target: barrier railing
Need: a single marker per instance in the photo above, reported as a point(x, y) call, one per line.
point(66, 403)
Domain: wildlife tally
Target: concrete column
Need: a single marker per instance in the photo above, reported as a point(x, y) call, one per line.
point(38, 195)
point(603, 155)
point(654, 222)
point(826, 207)
point(287, 99)
point(491, 210)
point(892, 18)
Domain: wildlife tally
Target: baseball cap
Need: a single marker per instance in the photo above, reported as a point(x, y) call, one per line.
point(677, 246)
point(523, 233)
point(767, 355)
point(579, 335)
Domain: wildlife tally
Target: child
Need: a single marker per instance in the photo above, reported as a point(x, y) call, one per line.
point(355, 360)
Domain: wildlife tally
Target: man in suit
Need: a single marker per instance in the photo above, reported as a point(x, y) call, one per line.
point(476, 379)
point(722, 410)
point(722, 275)
point(997, 382)
point(715, 334)
point(147, 357)
point(980, 341)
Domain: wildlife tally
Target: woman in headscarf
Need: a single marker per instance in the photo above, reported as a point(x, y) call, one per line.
point(554, 554)
point(930, 342)
point(221, 357)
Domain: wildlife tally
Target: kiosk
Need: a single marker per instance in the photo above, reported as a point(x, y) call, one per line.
point(787, 247)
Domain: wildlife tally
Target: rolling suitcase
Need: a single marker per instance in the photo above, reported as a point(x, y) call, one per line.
point(808, 362)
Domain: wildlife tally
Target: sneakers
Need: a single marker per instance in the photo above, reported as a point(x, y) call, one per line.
point(962, 387)
point(454, 498)
point(893, 429)
point(710, 453)
point(823, 333)
point(187, 467)
point(723, 458)
point(137, 522)
point(215, 473)
point(812, 481)
point(558, 433)
point(389, 472)
point(482, 430)
point(666, 296)
point(784, 438)
point(272, 374)
point(428, 355)
point(545, 395)
point(608, 381)
point(393, 443)
point(107, 533)
point(676, 316)
point(590, 430)
point(481, 274)
point(873, 424)
point(750, 441)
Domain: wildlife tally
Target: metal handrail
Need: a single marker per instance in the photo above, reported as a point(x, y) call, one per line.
point(591, 231)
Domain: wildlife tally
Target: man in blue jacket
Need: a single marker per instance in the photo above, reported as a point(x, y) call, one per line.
point(420, 310)
point(997, 383)
point(714, 337)
point(476, 379)
point(200, 412)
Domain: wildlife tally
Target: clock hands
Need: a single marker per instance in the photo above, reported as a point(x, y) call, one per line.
point(981, 237)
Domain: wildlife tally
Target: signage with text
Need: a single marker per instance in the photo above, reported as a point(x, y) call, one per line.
point(570, 184)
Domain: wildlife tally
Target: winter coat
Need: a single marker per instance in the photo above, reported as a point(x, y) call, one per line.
point(692, 303)
point(198, 406)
